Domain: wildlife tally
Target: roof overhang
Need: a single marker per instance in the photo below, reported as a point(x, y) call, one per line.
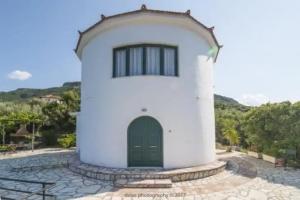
point(146, 15)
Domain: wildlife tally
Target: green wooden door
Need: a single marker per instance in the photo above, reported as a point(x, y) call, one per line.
point(145, 143)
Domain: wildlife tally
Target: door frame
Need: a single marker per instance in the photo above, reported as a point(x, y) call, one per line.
point(162, 142)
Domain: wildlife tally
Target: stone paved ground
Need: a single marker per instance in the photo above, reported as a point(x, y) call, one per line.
point(267, 183)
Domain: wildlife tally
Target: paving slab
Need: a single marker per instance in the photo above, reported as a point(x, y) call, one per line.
point(246, 178)
point(143, 183)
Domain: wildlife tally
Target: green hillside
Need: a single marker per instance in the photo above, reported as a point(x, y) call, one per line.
point(223, 102)
point(24, 94)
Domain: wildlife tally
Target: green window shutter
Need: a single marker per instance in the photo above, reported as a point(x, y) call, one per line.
point(114, 64)
point(162, 57)
point(144, 59)
point(176, 61)
point(127, 61)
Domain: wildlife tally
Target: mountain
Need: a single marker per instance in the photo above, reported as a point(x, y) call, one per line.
point(223, 102)
point(24, 94)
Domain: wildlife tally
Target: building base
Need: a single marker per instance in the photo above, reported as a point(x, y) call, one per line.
point(174, 175)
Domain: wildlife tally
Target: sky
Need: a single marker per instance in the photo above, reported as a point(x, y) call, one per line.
point(260, 61)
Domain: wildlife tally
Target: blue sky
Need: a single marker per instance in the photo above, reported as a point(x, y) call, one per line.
point(259, 62)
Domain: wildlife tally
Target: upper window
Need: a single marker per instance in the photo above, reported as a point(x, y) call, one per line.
point(145, 59)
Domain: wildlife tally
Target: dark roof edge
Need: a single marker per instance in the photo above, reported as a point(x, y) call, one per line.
point(211, 30)
point(145, 10)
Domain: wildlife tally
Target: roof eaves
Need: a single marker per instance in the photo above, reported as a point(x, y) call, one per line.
point(211, 31)
point(145, 10)
point(104, 18)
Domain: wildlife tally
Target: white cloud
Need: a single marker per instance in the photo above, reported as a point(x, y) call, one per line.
point(253, 99)
point(19, 75)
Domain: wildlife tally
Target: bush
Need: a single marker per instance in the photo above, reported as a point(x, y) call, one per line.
point(49, 138)
point(67, 140)
point(275, 151)
point(271, 151)
point(4, 148)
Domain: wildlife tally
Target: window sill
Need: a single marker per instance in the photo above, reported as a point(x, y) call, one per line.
point(146, 75)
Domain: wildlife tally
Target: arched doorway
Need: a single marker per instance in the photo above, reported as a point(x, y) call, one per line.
point(145, 143)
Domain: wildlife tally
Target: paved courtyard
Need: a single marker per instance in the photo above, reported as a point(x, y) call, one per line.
point(234, 184)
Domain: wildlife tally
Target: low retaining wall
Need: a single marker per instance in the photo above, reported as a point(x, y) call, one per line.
point(268, 158)
point(254, 154)
point(176, 175)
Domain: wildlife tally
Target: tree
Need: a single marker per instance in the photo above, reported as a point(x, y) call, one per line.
point(229, 132)
point(4, 111)
point(31, 116)
point(4, 124)
point(292, 141)
point(58, 114)
point(268, 126)
point(72, 100)
point(36, 118)
point(235, 115)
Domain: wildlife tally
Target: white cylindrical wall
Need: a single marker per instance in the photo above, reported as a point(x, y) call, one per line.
point(78, 132)
point(206, 114)
point(183, 105)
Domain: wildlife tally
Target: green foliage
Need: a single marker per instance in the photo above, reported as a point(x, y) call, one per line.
point(269, 128)
point(26, 94)
point(59, 114)
point(75, 84)
point(272, 127)
point(49, 137)
point(71, 99)
point(12, 115)
point(40, 116)
point(229, 131)
point(225, 103)
point(229, 109)
point(272, 151)
point(67, 140)
point(235, 116)
point(4, 148)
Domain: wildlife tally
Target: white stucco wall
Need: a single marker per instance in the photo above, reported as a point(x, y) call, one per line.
point(78, 132)
point(183, 105)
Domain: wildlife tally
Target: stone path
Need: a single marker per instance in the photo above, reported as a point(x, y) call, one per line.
point(248, 179)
